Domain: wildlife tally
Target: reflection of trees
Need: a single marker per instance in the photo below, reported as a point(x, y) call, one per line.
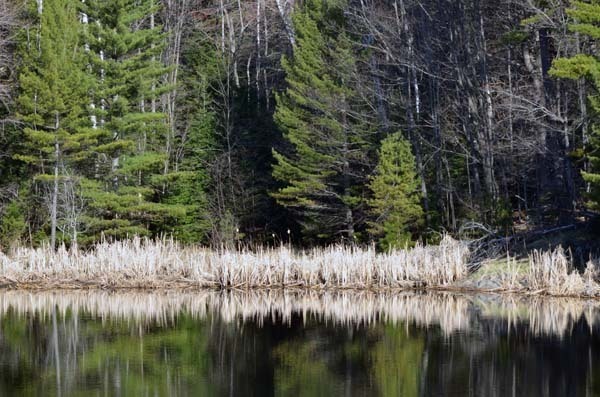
point(494, 361)
point(287, 353)
point(21, 354)
point(117, 357)
point(154, 360)
point(239, 358)
point(324, 360)
point(397, 360)
point(302, 372)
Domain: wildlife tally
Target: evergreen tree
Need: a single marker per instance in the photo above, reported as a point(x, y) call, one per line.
point(196, 142)
point(396, 202)
point(12, 225)
point(587, 23)
point(131, 180)
point(190, 189)
point(52, 106)
point(323, 165)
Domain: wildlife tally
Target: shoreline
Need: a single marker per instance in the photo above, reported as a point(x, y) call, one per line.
point(142, 264)
point(187, 286)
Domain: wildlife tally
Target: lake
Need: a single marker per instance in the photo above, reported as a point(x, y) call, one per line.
point(296, 343)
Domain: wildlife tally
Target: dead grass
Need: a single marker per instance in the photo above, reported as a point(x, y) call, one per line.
point(552, 272)
point(154, 264)
point(142, 263)
point(544, 272)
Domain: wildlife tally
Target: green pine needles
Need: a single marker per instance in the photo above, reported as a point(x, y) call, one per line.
point(396, 202)
point(326, 164)
point(106, 163)
point(52, 101)
point(323, 168)
point(96, 136)
point(129, 194)
point(586, 22)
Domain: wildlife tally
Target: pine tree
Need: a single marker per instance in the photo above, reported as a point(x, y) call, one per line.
point(52, 106)
point(130, 182)
point(396, 202)
point(323, 166)
point(587, 23)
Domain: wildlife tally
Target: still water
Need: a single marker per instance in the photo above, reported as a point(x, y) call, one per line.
point(296, 344)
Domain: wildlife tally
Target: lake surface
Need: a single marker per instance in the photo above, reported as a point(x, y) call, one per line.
point(296, 344)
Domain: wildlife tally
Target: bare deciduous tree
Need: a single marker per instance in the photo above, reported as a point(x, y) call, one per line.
point(7, 72)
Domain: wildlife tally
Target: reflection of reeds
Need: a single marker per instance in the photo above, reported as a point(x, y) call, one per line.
point(544, 315)
point(451, 312)
point(144, 263)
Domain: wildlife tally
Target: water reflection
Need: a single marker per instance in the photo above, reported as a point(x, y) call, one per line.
point(296, 343)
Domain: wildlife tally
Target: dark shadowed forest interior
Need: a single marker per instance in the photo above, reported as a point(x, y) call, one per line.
point(309, 122)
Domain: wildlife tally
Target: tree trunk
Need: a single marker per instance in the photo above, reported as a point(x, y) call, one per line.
point(53, 208)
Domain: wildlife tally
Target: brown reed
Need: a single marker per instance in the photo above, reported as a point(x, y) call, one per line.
point(143, 263)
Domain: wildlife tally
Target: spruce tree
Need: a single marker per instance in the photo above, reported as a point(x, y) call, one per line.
point(323, 165)
point(586, 22)
point(52, 106)
point(396, 203)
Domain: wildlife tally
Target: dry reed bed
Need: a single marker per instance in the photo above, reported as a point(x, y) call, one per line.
point(551, 273)
point(450, 312)
point(149, 264)
point(142, 263)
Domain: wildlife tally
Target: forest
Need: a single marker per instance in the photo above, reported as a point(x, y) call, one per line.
point(306, 122)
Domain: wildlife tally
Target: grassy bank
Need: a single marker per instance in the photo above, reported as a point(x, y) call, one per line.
point(147, 264)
